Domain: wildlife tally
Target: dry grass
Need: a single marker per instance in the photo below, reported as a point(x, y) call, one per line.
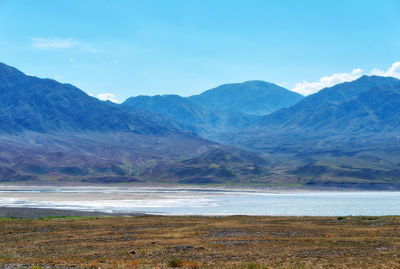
point(201, 242)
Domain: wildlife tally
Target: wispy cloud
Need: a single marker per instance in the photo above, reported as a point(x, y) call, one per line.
point(56, 43)
point(307, 88)
point(393, 71)
point(107, 97)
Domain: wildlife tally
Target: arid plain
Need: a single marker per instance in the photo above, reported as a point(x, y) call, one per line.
point(200, 242)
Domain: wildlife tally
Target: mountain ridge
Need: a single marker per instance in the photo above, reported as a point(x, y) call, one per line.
point(348, 132)
point(345, 135)
point(55, 133)
point(43, 105)
point(316, 109)
point(252, 97)
point(199, 114)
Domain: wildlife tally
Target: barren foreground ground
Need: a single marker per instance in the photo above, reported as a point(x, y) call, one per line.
point(201, 242)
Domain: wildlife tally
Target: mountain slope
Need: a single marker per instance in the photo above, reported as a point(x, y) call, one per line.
point(225, 108)
point(252, 97)
point(347, 133)
point(32, 104)
point(222, 165)
point(333, 107)
point(53, 132)
point(376, 110)
point(193, 116)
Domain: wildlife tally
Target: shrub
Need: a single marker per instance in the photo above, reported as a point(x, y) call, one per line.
point(252, 266)
point(329, 235)
point(371, 234)
point(191, 265)
point(266, 235)
point(94, 265)
point(175, 263)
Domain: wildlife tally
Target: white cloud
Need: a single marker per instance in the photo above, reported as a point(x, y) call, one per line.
point(56, 43)
point(393, 71)
point(307, 88)
point(107, 96)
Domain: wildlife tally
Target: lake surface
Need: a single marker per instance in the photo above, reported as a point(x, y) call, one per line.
point(203, 201)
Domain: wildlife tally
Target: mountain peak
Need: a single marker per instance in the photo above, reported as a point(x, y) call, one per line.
point(256, 82)
point(375, 78)
point(253, 97)
point(345, 106)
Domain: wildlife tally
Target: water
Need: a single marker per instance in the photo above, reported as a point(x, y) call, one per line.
point(204, 201)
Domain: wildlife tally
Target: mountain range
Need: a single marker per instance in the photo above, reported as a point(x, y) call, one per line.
point(54, 132)
point(225, 108)
point(253, 132)
point(369, 103)
point(345, 133)
point(29, 103)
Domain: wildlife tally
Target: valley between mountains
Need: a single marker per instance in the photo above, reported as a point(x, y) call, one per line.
point(253, 133)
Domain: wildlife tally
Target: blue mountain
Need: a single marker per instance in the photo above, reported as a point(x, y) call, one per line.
point(29, 103)
point(370, 103)
point(225, 108)
point(54, 132)
point(345, 135)
point(251, 97)
point(186, 113)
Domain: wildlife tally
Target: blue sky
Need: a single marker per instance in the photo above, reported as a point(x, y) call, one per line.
point(128, 48)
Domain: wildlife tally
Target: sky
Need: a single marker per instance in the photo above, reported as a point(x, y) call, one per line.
point(118, 49)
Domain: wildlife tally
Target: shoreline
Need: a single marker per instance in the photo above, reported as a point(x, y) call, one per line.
point(32, 213)
point(36, 213)
point(47, 201)
point(175, 187)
